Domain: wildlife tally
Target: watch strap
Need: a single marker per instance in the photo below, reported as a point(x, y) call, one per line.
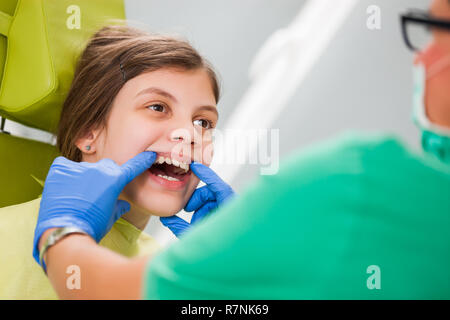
point(53, 238)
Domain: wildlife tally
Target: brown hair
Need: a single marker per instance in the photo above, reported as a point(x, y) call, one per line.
point(114, 55)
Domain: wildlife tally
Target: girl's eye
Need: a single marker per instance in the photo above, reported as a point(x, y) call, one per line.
point(205, 124)
point(157, 107)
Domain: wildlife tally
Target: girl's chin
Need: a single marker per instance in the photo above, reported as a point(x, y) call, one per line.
point(158, 201)
point(166, 203)
point(161, 211)
point(162, 205)
point(163, 215)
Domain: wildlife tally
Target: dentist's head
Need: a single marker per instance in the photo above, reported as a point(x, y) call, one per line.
point(428, 34)
point(132, 92)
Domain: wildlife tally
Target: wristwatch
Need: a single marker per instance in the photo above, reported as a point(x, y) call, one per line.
point(53, 238)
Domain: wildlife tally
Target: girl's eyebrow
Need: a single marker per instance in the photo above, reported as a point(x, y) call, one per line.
point(158, 91)
point(171, 97)
point(209, 108)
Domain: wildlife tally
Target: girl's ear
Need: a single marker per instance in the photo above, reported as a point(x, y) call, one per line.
point(88, 143)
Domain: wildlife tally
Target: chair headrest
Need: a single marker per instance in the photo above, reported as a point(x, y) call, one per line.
point(39, 47)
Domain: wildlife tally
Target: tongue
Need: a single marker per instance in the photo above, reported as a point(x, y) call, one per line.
point(166, 169)
point(157, 170)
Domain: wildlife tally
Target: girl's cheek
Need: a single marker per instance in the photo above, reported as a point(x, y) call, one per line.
point(208, 153)
point(209, 149)
point(203, 151)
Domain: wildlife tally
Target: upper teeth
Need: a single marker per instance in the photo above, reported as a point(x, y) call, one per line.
point(173, 162)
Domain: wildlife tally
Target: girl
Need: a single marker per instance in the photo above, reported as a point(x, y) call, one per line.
point(131, 92)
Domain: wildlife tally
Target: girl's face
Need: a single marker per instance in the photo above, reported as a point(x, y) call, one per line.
point(171, 113)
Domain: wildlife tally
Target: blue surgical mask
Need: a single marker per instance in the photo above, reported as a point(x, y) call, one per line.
point(435, 138)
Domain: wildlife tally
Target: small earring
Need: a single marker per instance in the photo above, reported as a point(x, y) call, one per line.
point(88, 148)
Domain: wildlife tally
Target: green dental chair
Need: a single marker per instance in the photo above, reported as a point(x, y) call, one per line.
point(40, 41)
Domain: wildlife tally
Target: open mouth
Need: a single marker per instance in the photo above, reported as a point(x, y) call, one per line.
point(170, 169)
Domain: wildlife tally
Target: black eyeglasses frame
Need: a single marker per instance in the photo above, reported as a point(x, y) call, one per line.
point(421, 17)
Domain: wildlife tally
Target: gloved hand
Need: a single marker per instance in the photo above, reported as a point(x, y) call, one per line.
point(84, 195)
point(204, 199)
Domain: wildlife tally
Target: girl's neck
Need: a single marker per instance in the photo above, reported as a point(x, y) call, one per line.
point(137, 217)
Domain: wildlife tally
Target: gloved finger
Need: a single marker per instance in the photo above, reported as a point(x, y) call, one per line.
point(61, 160)
point(198, 198)
point(175, 224)
point(106, 162)
point(138, 164)
point(62, 163)
point(121, 208)
point(208, 176)
point(203, 211)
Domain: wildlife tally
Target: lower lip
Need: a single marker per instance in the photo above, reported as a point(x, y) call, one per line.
point(171, 185)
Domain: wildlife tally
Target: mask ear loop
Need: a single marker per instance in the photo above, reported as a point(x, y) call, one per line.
point(438, 66)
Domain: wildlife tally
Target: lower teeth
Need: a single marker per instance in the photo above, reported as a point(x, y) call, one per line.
point(167, 177)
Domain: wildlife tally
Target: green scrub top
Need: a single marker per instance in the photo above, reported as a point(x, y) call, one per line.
point(360, 217)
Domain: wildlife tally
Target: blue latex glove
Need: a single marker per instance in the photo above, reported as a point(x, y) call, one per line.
point(84, 195)
point(203, 200)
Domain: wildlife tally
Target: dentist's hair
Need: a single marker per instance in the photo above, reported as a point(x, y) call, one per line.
point(114, 55)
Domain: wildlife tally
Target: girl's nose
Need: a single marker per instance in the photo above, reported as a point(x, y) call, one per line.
point(184, 135)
